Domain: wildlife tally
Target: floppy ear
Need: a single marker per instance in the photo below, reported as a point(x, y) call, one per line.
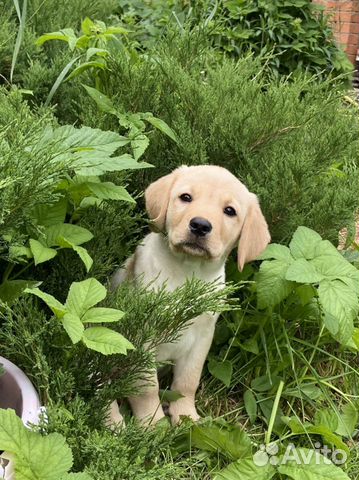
point(157, 197)
point(255, 235)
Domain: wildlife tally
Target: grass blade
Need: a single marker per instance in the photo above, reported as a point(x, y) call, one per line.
point(59, 80)
point(20, 34)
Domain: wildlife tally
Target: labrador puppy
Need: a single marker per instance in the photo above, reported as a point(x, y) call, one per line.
point(200, 213)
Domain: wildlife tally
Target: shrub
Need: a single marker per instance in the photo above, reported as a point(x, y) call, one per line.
point(290, 36)
point(294, 143)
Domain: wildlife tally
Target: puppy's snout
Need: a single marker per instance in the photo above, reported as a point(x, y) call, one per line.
point(200, 226)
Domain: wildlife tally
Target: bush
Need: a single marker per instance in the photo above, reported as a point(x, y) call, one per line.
point(294, 143)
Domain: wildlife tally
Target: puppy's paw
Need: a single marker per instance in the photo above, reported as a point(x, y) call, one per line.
point(182, 408)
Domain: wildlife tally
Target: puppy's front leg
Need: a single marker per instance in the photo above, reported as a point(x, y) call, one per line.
point(147, 405)
point(187, 374)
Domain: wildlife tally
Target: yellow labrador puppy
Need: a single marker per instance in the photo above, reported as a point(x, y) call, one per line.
point(204, 212)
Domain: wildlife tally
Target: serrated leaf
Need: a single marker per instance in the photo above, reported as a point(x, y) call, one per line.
point(102, 315)
point(221, 370)
point(73, 233)
point(139, 145)
point(246, 469)
point(304, 242)
point(84, 295)
point(57, 308)
point(103, 102)
point(310, 465)
point(40, 252)
point(30, 449)
point(161, 126)
point(94, 164)
point(106, 341)
point(341, 303)
point(272, 286)
point(250, 404)
point(77, 476)
point(110, 191)
point(73, 326)
point(230, 441)
point(302, 271)
point(277, 252)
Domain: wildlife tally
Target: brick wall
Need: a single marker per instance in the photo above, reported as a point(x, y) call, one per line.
point(345, 20)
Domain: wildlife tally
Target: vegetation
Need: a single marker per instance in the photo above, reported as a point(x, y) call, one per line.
point(96, 101)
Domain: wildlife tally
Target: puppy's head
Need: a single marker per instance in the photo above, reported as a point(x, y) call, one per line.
point(206, 211)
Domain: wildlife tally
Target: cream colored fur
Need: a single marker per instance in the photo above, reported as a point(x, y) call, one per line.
point(175, 257)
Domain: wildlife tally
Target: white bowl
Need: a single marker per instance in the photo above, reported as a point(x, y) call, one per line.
point(18, 393)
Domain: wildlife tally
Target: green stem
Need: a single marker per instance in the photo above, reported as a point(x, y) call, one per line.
point(274, 412)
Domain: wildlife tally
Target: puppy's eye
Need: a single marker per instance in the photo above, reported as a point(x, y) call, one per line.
point(230, 211)
point(186, 197)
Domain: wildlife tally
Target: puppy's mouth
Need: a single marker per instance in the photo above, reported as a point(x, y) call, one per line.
point(193, 248)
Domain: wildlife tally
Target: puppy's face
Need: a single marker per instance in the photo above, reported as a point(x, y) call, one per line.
point(205, 210)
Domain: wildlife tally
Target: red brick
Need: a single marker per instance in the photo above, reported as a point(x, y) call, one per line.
point(348, 28)
point(347, 16)
point(353, 39)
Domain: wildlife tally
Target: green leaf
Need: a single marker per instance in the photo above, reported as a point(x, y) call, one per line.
point(276, 251)
point(340, 302)
point(57, 308)
point(139, 145)
point(230, 441)
point(96, 164)
point(310, 465)
point(169, 395)
point(110, 191)
point(246, 469)
point(87, 26)
point(30, 449)
point(65, 35)
point(102, 315)
point(272, 286)
point(77, 476)
point(84, 255)
point(73, 233)
point(10, 290)
point(82, 252)
point(103, 102)
point(73, 326)
point(221, 370)
point(40, 252)
point(84, 295)
point(304, 242)
point(265, 383)
point(47, 215)
point(161, 126)
point(250, 404)
point(347, 420)
point(97, 64)
point(19, 251)
point(106, 341)
point(100, 52)
point(302, 271)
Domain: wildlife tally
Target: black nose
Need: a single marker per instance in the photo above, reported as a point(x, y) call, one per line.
point(200, 226)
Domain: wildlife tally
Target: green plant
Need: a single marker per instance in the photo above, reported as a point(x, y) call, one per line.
point(291, 36)
point(59, 168)
point(35, 456)
point(79, 311)
point(91, 46)
point(293, 143)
